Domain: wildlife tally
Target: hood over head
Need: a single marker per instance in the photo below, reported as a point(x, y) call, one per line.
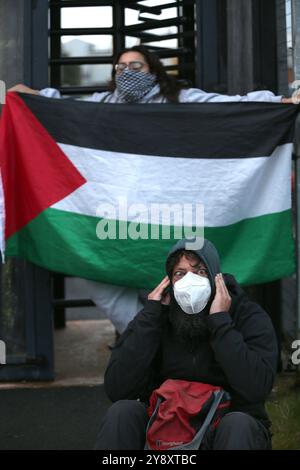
point(193, 328)
point(208, 254)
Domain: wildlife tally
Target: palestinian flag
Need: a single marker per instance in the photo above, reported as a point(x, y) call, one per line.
point(85, 186)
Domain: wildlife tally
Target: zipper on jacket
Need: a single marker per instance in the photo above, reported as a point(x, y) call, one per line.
point(194, 364)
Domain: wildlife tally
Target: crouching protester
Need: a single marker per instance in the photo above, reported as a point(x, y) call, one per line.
point(199, 343)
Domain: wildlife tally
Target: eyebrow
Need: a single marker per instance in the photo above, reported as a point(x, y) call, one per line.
point(132, 61)
point(199, 265)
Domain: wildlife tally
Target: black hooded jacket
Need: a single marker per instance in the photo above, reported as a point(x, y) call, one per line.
point(239, 353)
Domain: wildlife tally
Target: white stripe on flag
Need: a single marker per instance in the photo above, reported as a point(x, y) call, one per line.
point(230, 189)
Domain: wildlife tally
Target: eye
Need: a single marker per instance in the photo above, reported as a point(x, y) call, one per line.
point(202, 272)
point(178, 274)
point(136, 65)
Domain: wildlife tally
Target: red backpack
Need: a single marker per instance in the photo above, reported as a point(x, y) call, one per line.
point(180, 413)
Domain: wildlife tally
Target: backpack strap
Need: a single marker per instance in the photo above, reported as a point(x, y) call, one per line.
point(195, 443)
point(152, 418)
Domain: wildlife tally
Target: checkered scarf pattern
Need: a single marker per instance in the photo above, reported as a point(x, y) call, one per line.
point(132, 86)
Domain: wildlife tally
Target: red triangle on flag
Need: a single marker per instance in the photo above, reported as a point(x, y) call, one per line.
point(35, 171)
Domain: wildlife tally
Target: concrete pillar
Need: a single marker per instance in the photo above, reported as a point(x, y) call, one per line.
point(240, 46)
point(282, 56)
point(252, 45)
point(11, 41)
point(296, 37)
point(24, 42)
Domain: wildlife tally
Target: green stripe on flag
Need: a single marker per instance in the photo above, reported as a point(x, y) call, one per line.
point(263, 249)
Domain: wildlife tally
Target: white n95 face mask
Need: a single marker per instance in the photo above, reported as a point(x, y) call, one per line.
point(192, 293)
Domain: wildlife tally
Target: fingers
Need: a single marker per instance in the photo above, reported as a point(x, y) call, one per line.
point(221, 286)
point(163, 284)
point(218, 282)
point(20, 88)
point(157, 293)
point(165, 280)
point(222, 300)
point(294, 100)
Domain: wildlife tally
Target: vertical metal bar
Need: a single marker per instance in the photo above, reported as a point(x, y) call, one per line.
point(55, 45)
point(264, 44)
point(27, 42)
point(118, 27)
point(207, 51)
point(26, 281)
point(44, 324)
point(199, 50)
point(188, 11)
point(59, 293)
point(39, 46)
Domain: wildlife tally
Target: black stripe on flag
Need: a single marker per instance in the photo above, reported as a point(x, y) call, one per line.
point(190, 130)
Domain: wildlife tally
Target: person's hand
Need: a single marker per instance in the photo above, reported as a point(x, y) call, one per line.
point(288, 101)
point(158, 292)
point(20, 88)
point(295, 99)
point(222, 300)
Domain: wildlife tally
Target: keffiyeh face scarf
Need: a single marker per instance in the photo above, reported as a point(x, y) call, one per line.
point(132, 86)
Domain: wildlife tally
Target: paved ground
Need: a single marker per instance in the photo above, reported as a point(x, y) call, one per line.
point(81, 351)
point(63, 414)
point(61, 418)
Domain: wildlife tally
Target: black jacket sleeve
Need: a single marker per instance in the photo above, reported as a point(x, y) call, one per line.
point(247, 352)
point(131, 364)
